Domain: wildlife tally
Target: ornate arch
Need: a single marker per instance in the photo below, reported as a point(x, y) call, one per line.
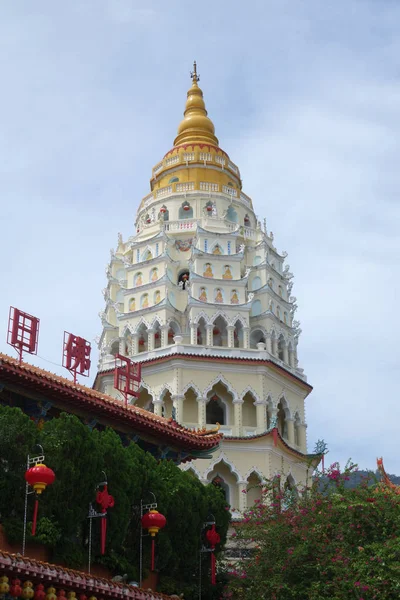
point(191, 467)
point(165, 387)
point(145, 386)
point(194, 388)
point(222, 458)
point(199, 316)
point(237, 318)
point(221, 379)
point(257, 471)
point(222, 314)
point(156, 320)
point(285, 404)
point(128, 329)
point(252, 392)
point(140, 323)
point(144, 252)
point(259, 328)
point(173, 320)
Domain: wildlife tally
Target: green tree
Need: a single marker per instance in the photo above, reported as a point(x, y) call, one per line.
point(333, 542)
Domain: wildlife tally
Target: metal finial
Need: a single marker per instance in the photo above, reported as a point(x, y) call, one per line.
point(193, 74)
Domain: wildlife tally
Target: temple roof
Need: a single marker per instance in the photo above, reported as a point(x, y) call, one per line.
point(81, 400)
point(15, 565)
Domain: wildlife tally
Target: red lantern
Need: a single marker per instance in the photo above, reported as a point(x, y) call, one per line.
point(15, 589)
point(209, 208)
point(141, 342)
point(148, 220)
point(216, 331)
point(213, 539)
point(40, 594)
point(163, 209)
point(39, 477)
point(153, 521)
point(157, 335)
point(186, 207)
point(170, 334)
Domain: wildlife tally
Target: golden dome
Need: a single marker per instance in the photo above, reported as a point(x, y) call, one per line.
point(196, 127)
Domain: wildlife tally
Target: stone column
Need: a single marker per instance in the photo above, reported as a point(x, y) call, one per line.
point(238, 417)
point(230, 330)
point(268, 342)
point(135, 343)
point(285, 354)
point(201, 407)
point(261, 413)
point(209, 328)
point(242, 488)
point(164, 335)
point(193, 334)
point(177, 401)
point(303, 437)
point(150, 339)
point(290, 431)
point(157, 403)
point(246, 335)
point(122, 346)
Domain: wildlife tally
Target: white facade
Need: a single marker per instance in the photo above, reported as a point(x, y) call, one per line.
point(202, 297)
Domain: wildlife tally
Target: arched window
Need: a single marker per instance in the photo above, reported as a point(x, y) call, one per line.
point(157, 297)
point(217, 249)
point(222, 486)
point(278, 312)
point(297, 429)
point(227, 274)
point(234, 297)
point(157, 334)
point(256, 283)
point(132, 304)
point(220, 337)
point(249, 411)
point(203, 294)
point(201, 332)
point(280, 292)
point(285, 318)
point(218, 296)
point(148, 255)
point(271, 283)
point(231, 215)
point(114, 348)
point(174, 180)
point(208, 270)
point(172, 331)
point(215, 411)
point(256, 337)
point(153, 274)
point(282, 416)
point(186, 211)
point(142, 338)
point(238, 335)
point(164, 213)
point(255, 308)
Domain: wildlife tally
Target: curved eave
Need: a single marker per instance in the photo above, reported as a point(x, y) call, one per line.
point(81, 400)
point(281, 442)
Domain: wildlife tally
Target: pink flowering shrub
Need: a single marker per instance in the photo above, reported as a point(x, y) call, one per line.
point(325, 542)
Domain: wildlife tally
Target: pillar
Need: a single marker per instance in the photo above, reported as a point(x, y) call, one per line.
point(209, 327)
point(201, 407)
point(157, 403)
point(135, 343)
point(122, 346)
point(290, 431)
point(291, 358)
point(303, 437)
point(261, 413)
point(231, 340)
point(150, 339)
point(274, 346)
point(164, 335)
point(246, 335)
point(177, 401)
point(193, 334)
point(285, 354)
point(268, 342)
point(242, 487)
point(238, 417)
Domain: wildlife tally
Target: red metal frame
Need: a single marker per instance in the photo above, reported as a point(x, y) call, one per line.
point(127, 377)
point(76, 355)
point(23, 332)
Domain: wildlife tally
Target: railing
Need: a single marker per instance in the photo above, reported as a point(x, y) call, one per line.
point(185, 187)
point(164, 191)
point(205, 156)
point(173, 160)
point(182, 225)
point(157, 168)
point(208, 187)
point(188, 156)
point(245, 199)
point(229, 190)
point(233, 167)
point(249, 233)
point(221, 160)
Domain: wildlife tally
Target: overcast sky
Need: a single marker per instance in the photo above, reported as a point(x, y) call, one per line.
point(305, 97)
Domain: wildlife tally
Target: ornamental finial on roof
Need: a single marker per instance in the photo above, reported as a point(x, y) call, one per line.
point(193, 74)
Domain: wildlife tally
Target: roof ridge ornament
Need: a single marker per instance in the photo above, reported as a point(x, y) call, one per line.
point(193, 74)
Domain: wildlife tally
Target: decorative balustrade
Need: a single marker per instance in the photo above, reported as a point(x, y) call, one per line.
point(208, 187)
point(233, 167)
point(182, 225)
point(245, 199)
point(188, 156)
point(229, 190)
point(249, 233)
point(205, 156)
point(173, 160)
point(185, 187)
point(221, 160)
point(158, 168)
point(164, 191)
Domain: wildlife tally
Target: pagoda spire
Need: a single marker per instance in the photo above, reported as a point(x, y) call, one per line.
point(196, 126)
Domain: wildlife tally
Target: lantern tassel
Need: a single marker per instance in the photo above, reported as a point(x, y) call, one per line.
point(213, 574)
point(103, 534)
point(153, 546)
point(35, 513)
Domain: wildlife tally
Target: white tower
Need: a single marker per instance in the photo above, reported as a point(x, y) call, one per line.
point(201, 297)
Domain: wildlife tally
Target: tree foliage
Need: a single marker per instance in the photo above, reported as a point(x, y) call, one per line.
point(78, 456)
point(333, 542)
